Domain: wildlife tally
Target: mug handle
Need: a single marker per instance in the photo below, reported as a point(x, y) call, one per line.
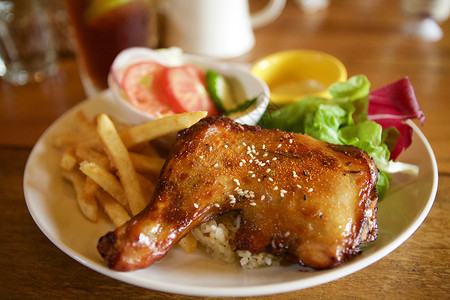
point(268, 14)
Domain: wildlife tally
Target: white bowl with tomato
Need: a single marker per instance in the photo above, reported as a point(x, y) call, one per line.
point(148, 84)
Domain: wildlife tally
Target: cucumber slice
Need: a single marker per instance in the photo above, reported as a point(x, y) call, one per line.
point(241, 107)
point(219, 91)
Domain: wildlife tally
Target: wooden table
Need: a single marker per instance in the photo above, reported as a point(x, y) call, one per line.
point(368, 36)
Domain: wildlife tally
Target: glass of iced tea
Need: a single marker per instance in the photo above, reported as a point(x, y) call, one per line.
point(103, 28)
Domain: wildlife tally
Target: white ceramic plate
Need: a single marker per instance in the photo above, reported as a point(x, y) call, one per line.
point(52, 204)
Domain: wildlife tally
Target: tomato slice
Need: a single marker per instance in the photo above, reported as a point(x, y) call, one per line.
point(140, 83)
point(184, 88)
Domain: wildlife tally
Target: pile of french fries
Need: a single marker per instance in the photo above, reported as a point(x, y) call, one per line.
point(114, 167)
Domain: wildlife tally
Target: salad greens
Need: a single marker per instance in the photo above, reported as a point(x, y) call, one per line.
point(343, 119)
point(393, 104)
point(224, 95)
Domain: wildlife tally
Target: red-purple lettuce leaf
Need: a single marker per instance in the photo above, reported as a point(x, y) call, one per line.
point(393, 104)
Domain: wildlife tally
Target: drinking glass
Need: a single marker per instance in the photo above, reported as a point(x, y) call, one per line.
point(101, 29)
point(27, 52)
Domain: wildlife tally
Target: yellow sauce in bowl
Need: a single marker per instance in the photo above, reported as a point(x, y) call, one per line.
point(295, 74)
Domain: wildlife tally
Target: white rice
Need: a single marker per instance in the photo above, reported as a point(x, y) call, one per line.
point(218, 237)
point(250, 261)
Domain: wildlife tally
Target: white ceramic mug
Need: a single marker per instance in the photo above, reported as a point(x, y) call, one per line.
point(216, 28)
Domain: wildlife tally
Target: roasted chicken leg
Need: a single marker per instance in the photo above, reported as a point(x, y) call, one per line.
point(313, 203)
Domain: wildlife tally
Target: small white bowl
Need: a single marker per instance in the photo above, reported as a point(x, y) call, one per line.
point(252, 85)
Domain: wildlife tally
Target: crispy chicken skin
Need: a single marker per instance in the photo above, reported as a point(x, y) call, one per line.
point(313, 203)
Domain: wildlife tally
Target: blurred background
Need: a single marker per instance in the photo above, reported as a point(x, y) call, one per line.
point(379, 38)
point(417, 22)
point(372, 36)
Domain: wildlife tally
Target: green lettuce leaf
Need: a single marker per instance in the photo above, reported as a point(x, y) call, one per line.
point(340, 120)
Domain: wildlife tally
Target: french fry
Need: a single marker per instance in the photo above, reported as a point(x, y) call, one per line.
point(144, 163)
point(88, 198)
point(160, 127)
point(65, 140)
point(84, 123)
point(75, 139)
point(68, 160)
point(105, 180)
point(90, 189)
point(84, 153)
point(188, 243)
point(112, 208)
point(146, 149)
point(118, 154)
point(95, 152)
point(88, 206)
